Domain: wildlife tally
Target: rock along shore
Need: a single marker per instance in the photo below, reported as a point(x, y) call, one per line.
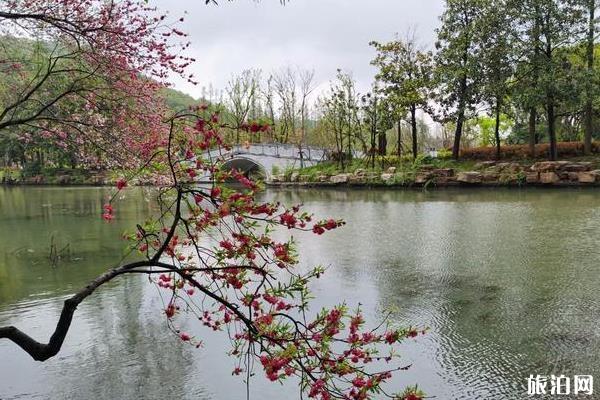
point(489, 173)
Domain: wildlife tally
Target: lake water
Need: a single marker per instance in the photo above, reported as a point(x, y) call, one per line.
point(508, 282)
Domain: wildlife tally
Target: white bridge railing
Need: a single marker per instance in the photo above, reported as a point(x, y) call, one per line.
point(280, 150)
point(277, 150)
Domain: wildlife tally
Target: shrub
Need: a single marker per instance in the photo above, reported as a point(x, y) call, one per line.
point(32, 169)
point(392, 159)
point(565, 149)
point(444, 154)
point(287, 173)
point(339, 156)
point(423, 159)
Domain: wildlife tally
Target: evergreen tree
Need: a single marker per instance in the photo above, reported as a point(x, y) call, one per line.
point(405, 72)
point(458, 63)
point(497, 60)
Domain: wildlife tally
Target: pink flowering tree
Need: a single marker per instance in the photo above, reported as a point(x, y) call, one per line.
point(91, 77)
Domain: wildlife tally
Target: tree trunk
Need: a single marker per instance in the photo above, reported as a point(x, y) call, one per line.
point(460, 119)
point(302, 133)
point(349, 139)
point(588, 109)
point(341, 148)
point(532, 128)
point(382, 144)
point(413, 122)
point(552, 128)
point(497, 128)
point(374, 148)
point(374, 135)
point(536, 58)
point(457, 136)
point(550, 102)
point(399, 138)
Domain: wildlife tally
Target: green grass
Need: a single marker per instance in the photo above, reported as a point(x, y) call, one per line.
point(403, 166)
point(406, 169)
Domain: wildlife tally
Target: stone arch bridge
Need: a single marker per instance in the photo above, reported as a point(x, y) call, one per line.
point(264, 158)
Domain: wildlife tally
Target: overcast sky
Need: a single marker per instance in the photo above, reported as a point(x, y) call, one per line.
point(312, 34)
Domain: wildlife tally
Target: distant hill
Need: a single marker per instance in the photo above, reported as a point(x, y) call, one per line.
point(178, 101)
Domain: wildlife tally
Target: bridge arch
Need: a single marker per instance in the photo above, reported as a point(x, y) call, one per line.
point(266, 158)
point(247, 166)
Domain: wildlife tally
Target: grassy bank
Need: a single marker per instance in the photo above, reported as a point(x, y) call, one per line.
point(426, 171)
point(405, 168)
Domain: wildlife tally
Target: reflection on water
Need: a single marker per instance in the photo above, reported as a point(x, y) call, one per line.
point(506, 280)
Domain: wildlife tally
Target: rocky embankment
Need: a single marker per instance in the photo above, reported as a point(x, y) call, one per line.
point(489, 173)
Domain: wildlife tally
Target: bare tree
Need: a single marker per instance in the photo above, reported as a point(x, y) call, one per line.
point(306, 78)
point(268, 97)
point(287, 94)
point(340, 112)
point(242, 91)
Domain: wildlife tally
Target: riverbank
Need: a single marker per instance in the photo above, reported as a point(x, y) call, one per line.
point(71, 177)
point(56, 176)
point(439, 174)
point(482, 174)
